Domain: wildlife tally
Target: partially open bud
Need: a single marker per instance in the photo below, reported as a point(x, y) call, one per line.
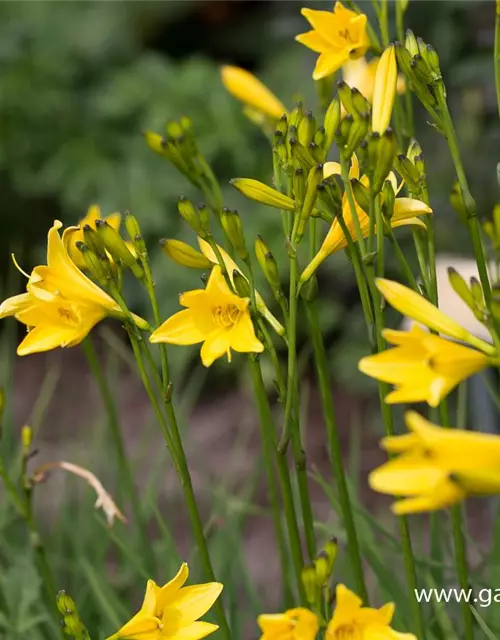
point(183, 254)
point(384, 90)
point(116, 246)
point(231, 223)
point(260, 192)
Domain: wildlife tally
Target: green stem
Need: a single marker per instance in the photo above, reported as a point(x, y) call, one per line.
point(457, 522)
point(125, 472)
point(266, 418)
point(352, 205)
point(176, 446)
point(496, 53)
point(292, 357)
point(336, 451)
point(401, 258)
point(468, 200)
point(408, 94)
point(384, 26)
point(24, 508)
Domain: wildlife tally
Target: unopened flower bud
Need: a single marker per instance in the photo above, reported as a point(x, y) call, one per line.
point(411, 43)
point(231, 223)
point(414, 150)
point(268, 265)
point(324, 568)
point(301, 155)
point(384, 90)
point(342, 133)
point(296, 115)
point(310, 584)
point(26, 438)
point(331, 548)
point(361, 194)
point(461, 288)
point(116, 246)
point(260, 192)
point(386, 152)
point(345, 95)
point(331, 122)
point(388, 198)
point(408, 172)
point(281, 150)
point(188, 211)
point(98, 269)
point(313, 179)
point(282, 125)
point(241, 284)
point(183, 254)
point(357, 133)
point(360, 103)
point(320, 137)
point(433, 62)
point(299, 186)
point(134, 233)
point(306, 129)
point(65, 603)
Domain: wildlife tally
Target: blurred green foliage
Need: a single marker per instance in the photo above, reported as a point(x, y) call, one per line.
point(80, 81)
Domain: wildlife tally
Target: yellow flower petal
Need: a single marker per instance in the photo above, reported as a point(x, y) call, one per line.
point(447, 494)
point(408, 208)
point(248, 89)
point(329, 62)
point(313, 40)
point(243, 338)
point(215, 346)
point(15, 304)
point(45, 338)
point(180, 329)
point(190, 603)
point(326, 24)
point(407, 476)
point(195, 631)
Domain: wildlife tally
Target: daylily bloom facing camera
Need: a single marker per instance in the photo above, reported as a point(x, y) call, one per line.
point(171, 612)
point(215, 316)
point(437, 467)
point(338, 37)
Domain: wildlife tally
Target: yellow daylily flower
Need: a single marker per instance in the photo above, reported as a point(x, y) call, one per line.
point(360, 74)
point(352, 621)
point(423, 366)
point(338, 37)
point(93, 214)
point(437, 467)
point(416, 307)
point(294, 624)
point(405, 213)
point(61, 304)
point(215, 316)
point(244, 86)
point(171, 612)
point(384, 91)
point(231, 267)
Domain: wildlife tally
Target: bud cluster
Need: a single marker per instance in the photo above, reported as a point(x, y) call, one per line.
point(316, 576)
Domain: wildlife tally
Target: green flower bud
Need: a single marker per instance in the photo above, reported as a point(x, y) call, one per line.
point(94, 242)
point(411, 43)
point(388, 198)
point(403, 59)
point(268, 265)
point(313, 179)
point(345, 95)
point(65, 603)
point(306, 129)
point(188, 211)
point(281, 150)
point(360, 103)
point(309, 582)
point(296, 115)
point(315, 151)
point(361, 194)
point(408, 172)
point(117, 248)
point(331, 123)
point(414, 150)
point(342, 133)
point(241, 284)
point(282, 125)
point(320, 137)
point(477, 292)
point(432, 60)
point(299, 186)
point(323, 568)
point(386, 152)
point(231, 223)
point(331, 548)
point(357, 133)
point(461, 288)
point(134, 233)
point(99, 269)
point(301, 155)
